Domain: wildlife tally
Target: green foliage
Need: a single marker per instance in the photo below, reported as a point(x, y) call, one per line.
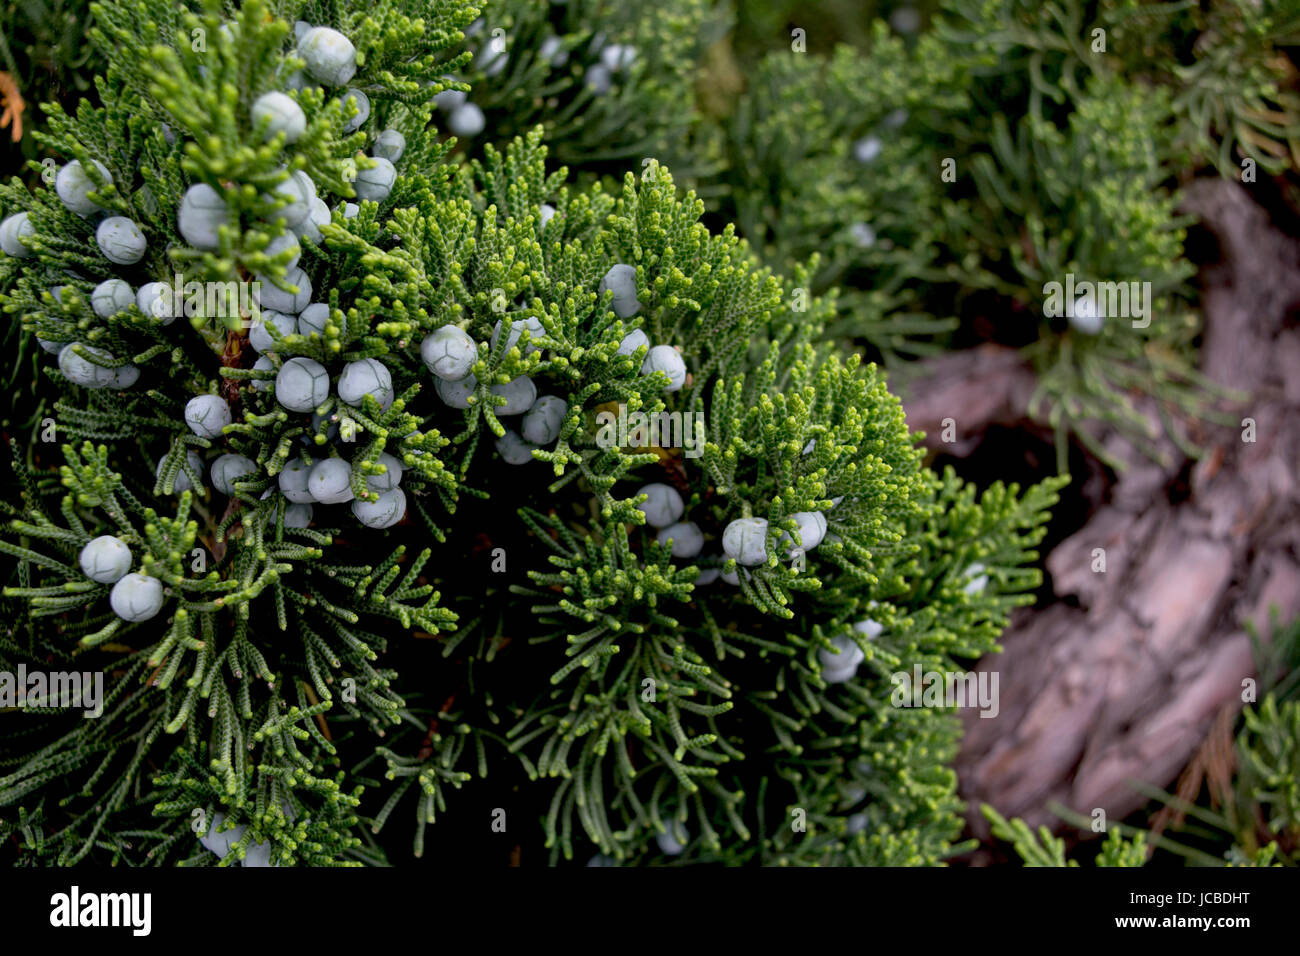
point(291, 668)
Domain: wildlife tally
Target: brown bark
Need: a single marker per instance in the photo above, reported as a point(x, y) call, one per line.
point(1120, 679)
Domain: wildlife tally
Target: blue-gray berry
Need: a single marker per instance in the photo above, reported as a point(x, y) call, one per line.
point(376, 182)
point(73, 187)
point(513, 449)
point(457, 393)
point(621, 281)
point(230, 468)
point(633, 341)
point(158, 301)
point(202, 212)
point(449, 353)
point(517, 326)
point(330, 481)
point(263, 364)
point(362, 106)
point(519, 393)
point(82, 371)
point(389, 145)
point(293, 481)
point(663, 505)
point(390, 478)
point(281, 114)
point(313, 319)
point(541, 423)
point(329, 56)
point(302, 384)
point(467, 121)
point(388, 510)
point(259, 336)
point(270, 296)
point(120, 240)
point(136, 597)
point(666, 359)
point(685, 537)
point(111, 297)
point(366, 377)
point(745, 539)
point(207, 415)
point(13, 230)
point(105, 559)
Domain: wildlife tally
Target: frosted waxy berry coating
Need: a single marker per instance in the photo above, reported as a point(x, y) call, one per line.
point(82, 371)
point(105, 559)
point(449, 101)
point(120, 240)
point(111, 297)
point(14, 229)
point(158, 301)
point(230, 468)
point(621, 280)
point(867, 149)
point(136, 597)
point(668, 842)
point(390, 478)
point(976, 579)
point(812, 529)
point(202, 212)
point(519, 393)
point(207, 415)
point(259, 336)
point(389, 145)
point(366, 377)
point(182, 481)
point(314, 318)
point(297, 516)
point(73, 187)
point(633, 341)
point(362, 106)
point(263, 364)
point(293, 481)
point(457, 393)
point(387, 511)
point(617, 57)
point(330, 481)
point(376, 182)
point(1085, 317)
point(545, 213)
point(517, 327)
point(281, 114)
point(666, 359)
point(124, 376)
point(329, 56)
point(541, 423)
point(838, 668)
point(745, 539)
point(302, 384)
point(598, 79)
point(467, 121)
point(663, 505)
point(685, 538)
point(285, 242)
point(271, 296)
point(870, 628)
point(449, 353)
point(299, 190)
point(513, 449)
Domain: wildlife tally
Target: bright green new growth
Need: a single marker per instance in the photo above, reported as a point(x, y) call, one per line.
point(521, 627)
